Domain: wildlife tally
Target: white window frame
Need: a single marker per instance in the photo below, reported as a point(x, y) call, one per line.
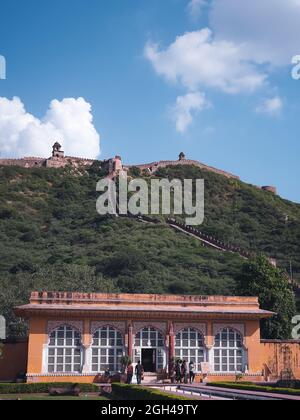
point(188, 352)
point(107, 348)
point(65, 351)
point(229, 352)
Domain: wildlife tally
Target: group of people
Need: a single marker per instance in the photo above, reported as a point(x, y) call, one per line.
point(139, 373)
point(182, 372)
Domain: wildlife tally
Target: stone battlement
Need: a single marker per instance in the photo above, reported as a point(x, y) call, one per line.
point(29, 162)
point(114, 165)
point(155, 166)
point(57, 160)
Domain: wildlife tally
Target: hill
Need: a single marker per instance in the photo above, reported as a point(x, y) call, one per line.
point(51, 238)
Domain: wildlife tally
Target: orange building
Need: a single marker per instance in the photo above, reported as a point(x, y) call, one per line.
point(74, 337)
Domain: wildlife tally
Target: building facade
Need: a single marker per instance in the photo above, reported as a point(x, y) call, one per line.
point(76, 337)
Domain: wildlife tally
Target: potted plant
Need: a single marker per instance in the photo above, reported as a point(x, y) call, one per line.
point(125, 361)
point(239, 377)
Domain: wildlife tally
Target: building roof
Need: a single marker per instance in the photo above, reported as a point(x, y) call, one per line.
point(53, 303)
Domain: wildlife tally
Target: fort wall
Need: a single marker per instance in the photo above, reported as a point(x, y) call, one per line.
point(155, 166)
point(114, 165)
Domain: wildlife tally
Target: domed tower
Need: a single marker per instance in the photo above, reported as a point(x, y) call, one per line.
point(57, 152)
point(181, 156)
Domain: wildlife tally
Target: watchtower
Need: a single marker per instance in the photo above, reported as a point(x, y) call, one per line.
point(57, 152)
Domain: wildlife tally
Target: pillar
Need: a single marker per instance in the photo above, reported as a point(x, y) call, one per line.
point(171, 342)
point(209, 342)
point(130, 341)
point(86, 359)
point(86, 346)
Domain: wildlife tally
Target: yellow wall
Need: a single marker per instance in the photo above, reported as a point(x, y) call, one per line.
point(252, 341)
point(281, 359)
point(37, 339)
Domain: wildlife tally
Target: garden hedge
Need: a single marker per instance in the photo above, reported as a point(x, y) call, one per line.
point(293, 383)
point(255, 388)
point(42, 388)
point(133, 392)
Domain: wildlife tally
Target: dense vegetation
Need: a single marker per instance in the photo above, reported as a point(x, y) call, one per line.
point(244, 215)
point(42, 388)
point(51, 238)
point(271, 285)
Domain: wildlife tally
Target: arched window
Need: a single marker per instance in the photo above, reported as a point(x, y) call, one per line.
point(228, 352)
point(64, 351)
point(147, 340)
point(107, 350)
point(189, 346)
point(149, 337)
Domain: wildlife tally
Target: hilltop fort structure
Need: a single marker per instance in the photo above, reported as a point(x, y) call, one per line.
point(115, 166)
point(57, 160)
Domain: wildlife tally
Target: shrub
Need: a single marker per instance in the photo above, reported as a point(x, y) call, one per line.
point(42, 388)
point(132, 392)
point(294, 384)
point(7, 213)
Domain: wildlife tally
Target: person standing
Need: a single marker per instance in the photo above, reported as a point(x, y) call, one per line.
point(129, 374)
point(139, 372)
point(178, 371)
point(192, 372)
point(184, 372)
point(107, 374)
point(172, 371)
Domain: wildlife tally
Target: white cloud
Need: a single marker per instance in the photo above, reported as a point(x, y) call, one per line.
point(271, 106)
point(245, 42)
point(195, 8)
point(186, 106)
point(268, 29)
point(196, 60)
point(69, 121)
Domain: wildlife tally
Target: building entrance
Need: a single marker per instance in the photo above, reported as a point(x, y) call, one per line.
point(149, 360)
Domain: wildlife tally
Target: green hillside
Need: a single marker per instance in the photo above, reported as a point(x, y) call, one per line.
point(51, 238)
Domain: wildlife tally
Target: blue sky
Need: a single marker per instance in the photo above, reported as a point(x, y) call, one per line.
point(122, 57)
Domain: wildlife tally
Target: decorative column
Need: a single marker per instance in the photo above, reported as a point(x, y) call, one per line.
point(86, 346)
point(209, 342)
point(130, 341)
point(171, 342)
point(86, 359)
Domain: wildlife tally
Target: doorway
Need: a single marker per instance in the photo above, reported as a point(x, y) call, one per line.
point(149, 360)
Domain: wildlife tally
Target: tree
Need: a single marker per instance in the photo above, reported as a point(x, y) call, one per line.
point(135, 172)
point(260, 278)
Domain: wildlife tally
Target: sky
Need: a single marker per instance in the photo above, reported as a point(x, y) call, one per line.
point(149, 79)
